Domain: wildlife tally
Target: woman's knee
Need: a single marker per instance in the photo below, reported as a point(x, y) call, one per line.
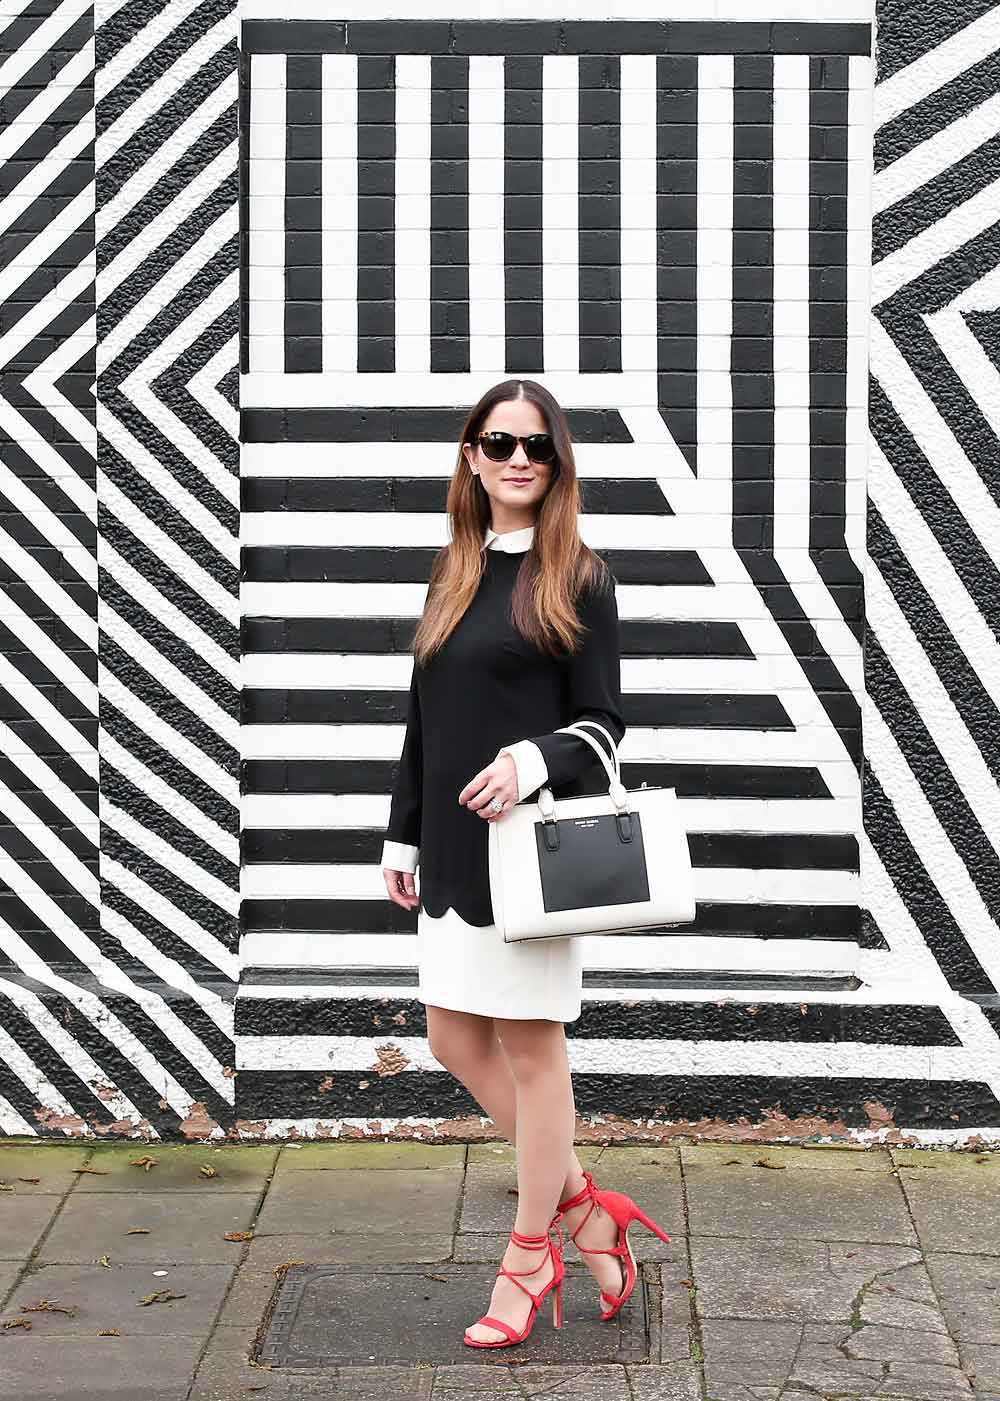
point(459, 1039)
point(534, 1050)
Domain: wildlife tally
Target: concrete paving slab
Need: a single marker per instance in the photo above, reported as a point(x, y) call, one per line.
point(98, 1369)
point(370, 1156)
point(397, 1200)
point(953, 1197)
point(677, 1381)
point(266, 1252)
point(792, 1280)
point(177, 1168)
point(111, 1299)
point(22, 1221)
point(228, 1376)
point(982, 1365)
point(568, 1383)
point(9, 1271)
point(969, 1291)
point(733, 1199)
point(742, 1356)
point(51, 1163)
point(91, 1225)
point(825, 1368)
point(331, 1316)
point(802, 1157)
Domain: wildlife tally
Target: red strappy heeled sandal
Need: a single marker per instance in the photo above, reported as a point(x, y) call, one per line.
point(559, 1270)
point(623, 1211)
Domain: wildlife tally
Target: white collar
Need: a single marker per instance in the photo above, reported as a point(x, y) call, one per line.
point(511, 541)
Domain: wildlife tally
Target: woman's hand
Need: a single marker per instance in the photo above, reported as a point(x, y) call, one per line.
point(401, 887)
point(496, 780)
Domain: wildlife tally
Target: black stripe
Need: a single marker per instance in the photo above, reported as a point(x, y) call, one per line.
point(522, 209)
point(836, 1102)
point(376, 209)
point(959, 542)
point(906, 34)
point(417, 423)
point(958, 677)
point(199, 907)
point(640, 637)
point(919, 209)
point(601, 496)
point(806, 1023)
point(545, 37)
point(755, 851)
point(690, 780)
point(676, 259)
point(942, 933)
point(412, 564)
point(303, 216)
point(599, 214)
point(450, 204)
point(937, 110)
point(243, 137)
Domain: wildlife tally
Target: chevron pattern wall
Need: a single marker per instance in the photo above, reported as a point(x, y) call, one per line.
point(119, 781)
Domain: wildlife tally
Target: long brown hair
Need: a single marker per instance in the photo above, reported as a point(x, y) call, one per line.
point(554, 571)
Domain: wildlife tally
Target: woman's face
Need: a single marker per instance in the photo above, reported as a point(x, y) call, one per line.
point(518, 484)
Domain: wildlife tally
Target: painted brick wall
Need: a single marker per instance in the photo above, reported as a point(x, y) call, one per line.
point(670, 223)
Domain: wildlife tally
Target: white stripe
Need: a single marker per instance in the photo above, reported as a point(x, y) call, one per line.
point(487, 293)
point(65, 735)
point(859, 201)
point(962, 223)
point(34, 1079)
point(944, 866)
point(321, 881)
point(946, 148)
point(68, 1050)
point(412, 214)
point(172, 916)
point(849, 1059)
point(714, 278)
point(560, 213)
point(970, 362)
point(843, 11)
point(11, 1122)
point(815, 746)
point(939, 65)
point(938, 575)
point(339, 177)
point(266, 252)
point(637, 953)
point(345, 812)
point(637, 172)
point(932, 435)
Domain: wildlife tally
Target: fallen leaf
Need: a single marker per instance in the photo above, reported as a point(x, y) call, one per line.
point(736, 1162)
point(207, 1170)
point(162, 1296)
point(97, 1172)
point(442, 1278)
point(103, 1260)
point(145, 1162)
point(49, 1306)
point(137, 1231)
point(17, 1323)
point(109, 1332)
point(762, 1162)
point(5, 1188)
point(238, 1235)
point(29, 1179)
point(688, 1283)
point(287, 1265)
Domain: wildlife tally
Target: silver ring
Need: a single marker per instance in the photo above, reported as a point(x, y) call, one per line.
point(495, 805)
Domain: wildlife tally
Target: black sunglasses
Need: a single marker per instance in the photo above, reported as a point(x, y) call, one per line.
point(498, 447)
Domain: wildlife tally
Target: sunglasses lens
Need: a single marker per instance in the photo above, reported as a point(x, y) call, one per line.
point(540, 447)
point(498, 446)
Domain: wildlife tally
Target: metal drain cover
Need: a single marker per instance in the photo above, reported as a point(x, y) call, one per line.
point(343, 1315)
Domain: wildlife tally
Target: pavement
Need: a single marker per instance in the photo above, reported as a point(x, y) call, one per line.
point(187, 1272)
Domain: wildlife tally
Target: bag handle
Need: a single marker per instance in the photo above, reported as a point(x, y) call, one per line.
point(616, 789)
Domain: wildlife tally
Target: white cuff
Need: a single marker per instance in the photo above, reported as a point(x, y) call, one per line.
point(529, 761)
point(399, 857)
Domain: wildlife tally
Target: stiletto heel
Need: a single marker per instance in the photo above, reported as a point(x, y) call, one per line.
point(555, 1284)
point(623, 1211)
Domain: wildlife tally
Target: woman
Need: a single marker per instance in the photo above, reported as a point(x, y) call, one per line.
point(499, 664)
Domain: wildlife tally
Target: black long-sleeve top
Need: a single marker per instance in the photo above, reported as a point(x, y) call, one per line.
point(485, 689)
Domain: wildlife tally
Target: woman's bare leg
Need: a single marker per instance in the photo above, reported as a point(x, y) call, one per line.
point(468, 1045)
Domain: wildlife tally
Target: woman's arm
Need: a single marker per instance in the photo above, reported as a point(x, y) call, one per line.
point(401, 848)
point(595, 694)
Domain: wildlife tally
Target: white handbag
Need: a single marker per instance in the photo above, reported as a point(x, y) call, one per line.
point(603, 863)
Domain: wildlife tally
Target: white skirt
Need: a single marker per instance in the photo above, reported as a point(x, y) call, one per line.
point(469, 968)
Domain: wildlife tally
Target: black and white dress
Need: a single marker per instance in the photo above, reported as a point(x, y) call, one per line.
point(486, 692)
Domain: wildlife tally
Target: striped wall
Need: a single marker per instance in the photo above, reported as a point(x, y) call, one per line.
point(342, 228)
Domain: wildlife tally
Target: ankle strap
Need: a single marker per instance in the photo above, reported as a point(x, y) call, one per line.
point(587, 1190)
point(528, 1241)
